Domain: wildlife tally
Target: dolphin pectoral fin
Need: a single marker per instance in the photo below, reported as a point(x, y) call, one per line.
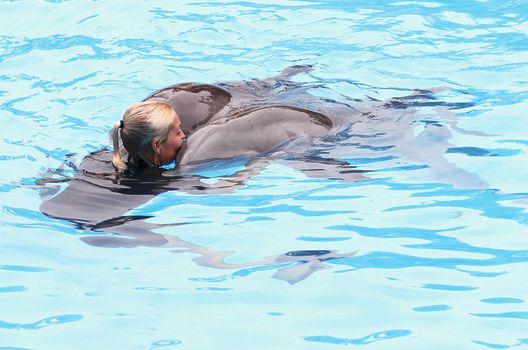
point(128, 232)
point(300, 272)
point(228, 183)
point(110, 242)
point(144, 239)
point(240, 178)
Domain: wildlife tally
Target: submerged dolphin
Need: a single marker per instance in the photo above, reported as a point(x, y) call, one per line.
point(260, 121)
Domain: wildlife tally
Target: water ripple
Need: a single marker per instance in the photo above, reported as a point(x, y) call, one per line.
point(521, 315)
point(374, 337)
point(155, 289)
point(248, 271)
point(164, 343)
point(296, 209)
point(13, 289)
point(448, 287)
point(491, 345)
point(63, 85)
point(20, 268)
point(54, 42)
point(45, 322)
point(502, 300)
point(432, 308)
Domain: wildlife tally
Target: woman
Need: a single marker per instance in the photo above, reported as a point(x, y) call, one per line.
point(151, 133)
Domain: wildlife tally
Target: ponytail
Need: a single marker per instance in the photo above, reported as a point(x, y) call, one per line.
point(116, 160)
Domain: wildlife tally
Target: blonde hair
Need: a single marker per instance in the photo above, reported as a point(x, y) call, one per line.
point(142, 122)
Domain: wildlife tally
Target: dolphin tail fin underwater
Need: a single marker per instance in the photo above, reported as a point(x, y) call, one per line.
point(288, 72)
point(306, 262)
point(297, 273)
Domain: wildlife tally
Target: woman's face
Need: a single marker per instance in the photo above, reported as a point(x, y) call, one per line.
point(168, 149)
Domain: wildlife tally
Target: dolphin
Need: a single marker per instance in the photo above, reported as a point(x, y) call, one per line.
point(260, 122)
point(212, 116)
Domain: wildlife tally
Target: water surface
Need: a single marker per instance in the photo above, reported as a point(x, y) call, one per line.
point(430, 251)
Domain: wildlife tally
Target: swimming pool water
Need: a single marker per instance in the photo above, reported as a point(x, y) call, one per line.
point(425, 257)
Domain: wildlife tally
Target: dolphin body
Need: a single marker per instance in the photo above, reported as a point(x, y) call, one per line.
point(242, 119)
point(259, 121)
point(231, 120)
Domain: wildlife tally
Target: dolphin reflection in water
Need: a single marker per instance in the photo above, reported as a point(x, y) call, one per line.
point(260, 122)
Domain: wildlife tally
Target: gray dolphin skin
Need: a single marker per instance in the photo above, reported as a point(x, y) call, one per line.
point(240, 121)
point(259, 122)
point(256, 132)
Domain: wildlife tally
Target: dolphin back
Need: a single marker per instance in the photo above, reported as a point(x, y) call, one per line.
point(195, 104)
point(251, 133)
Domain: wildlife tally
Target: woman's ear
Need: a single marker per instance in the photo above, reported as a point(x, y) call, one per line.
point(155, 146)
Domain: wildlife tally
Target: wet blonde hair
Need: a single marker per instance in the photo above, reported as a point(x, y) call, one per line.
point(142, 122)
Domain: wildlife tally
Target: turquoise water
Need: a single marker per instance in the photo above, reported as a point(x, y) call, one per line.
point(431, 249)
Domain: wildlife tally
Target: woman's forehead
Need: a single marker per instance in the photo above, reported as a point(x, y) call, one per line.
point(176, 121)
